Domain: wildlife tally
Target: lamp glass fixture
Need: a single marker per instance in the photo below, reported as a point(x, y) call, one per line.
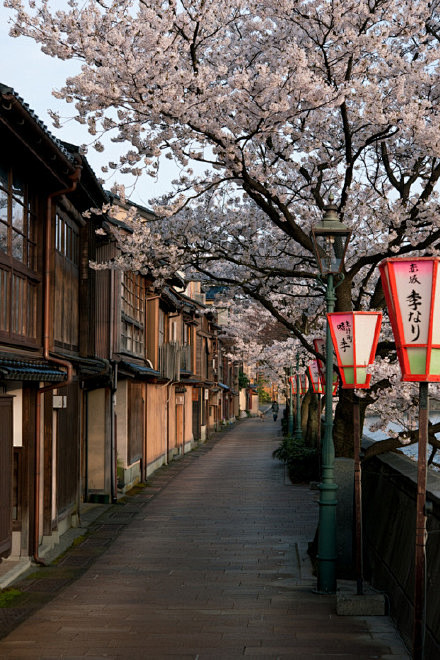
point(330, 240)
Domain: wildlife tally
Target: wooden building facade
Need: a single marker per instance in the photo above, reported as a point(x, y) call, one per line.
point(102, 379)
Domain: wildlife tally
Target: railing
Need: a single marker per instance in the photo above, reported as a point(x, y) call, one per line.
point(173, 359)
point(169, 361)
point(185, 358)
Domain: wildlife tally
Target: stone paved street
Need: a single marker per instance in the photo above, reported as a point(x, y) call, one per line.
point(209, 561)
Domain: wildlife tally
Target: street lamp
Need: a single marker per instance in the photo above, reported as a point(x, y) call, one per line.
point(330, 240)
point(355, 336)
point(412, 293)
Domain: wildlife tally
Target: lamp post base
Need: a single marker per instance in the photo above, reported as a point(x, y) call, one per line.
point(326, 556)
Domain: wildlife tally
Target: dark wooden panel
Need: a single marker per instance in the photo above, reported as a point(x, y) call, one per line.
point(199, 358)
point(66, 303)
point(103, 306)
point(27, 485)
point(48, 465)
point(135, 421)
point(86, 309)
point(196, 415)
point(6, 480)
point(104, 302)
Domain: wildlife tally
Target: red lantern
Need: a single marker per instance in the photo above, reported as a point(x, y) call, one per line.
point(413, 300)
point(303, 384)
point(319, 345)
point(355, 336)
point(292, 380)
point(315, 378)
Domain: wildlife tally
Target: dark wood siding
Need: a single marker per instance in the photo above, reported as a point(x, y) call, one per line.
point(66, 283)
point(104, 301)
point(135, 421)
point(6, 480)
point(48, 463)
point(196, 404)
point(68, 438)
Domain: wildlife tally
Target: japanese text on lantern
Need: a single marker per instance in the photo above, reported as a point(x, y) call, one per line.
point(414, 302)
point(345, 336)
point(413, 283)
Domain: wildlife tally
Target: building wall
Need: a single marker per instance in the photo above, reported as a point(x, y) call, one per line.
point(156, 440)
point(254, 404)
point(242, 399)
point(96, 440)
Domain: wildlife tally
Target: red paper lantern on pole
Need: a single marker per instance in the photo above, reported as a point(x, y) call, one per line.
point(412, 294)
point(303, 387)
point(292, 380)
point(319, 345)
point(355, 336)
point(303, 383)
point(315, 377)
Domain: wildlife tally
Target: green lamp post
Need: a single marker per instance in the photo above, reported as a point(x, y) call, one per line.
point(330, 240)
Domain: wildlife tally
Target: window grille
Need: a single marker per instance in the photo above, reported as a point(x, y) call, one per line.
point(133, 313)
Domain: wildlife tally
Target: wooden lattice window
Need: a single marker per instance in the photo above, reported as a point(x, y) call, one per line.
point(17, 222)
point(18, 260)
point(67, 239)
point(133, 313)
point(66, 312)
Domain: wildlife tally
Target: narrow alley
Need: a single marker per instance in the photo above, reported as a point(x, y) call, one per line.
point(213, 564)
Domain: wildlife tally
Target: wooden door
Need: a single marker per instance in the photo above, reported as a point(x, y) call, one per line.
point(196, 395)
point(6, 476)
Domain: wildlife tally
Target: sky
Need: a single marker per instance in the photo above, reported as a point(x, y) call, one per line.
point(33, 75)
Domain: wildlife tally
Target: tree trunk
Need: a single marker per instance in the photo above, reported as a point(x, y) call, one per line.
point(310, 420)
point(343, 423)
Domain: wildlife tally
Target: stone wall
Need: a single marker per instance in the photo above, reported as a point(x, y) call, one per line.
point(389, 488)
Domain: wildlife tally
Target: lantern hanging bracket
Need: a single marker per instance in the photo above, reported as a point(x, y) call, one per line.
point(323, 280)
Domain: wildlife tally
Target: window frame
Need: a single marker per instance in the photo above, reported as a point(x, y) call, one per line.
point(133, 314)
point(19, 277)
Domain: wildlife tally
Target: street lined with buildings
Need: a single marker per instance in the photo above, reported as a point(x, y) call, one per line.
point(212, 564)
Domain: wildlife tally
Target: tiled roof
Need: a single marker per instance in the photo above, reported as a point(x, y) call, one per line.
point(138, 369)
point(5, 90)
point(11, 369)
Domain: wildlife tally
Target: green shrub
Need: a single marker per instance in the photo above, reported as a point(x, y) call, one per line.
point(243, 380)
point(301, 461)
point(9, 597)
point(264, 397)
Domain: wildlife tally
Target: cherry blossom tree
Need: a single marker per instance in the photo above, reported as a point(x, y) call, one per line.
point(266, 107)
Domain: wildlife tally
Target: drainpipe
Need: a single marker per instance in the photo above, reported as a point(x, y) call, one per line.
point(46, 353)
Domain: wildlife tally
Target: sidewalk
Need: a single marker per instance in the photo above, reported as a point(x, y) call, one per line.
point(208, 561)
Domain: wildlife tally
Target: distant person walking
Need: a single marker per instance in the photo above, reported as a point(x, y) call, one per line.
point(275, 409)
